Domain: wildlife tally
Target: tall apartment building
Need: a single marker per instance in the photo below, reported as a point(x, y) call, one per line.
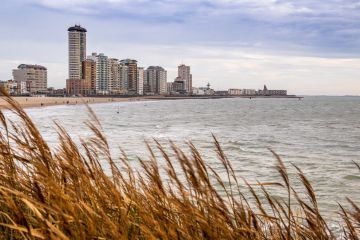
point(89, 75)
point(140, 81)
point(114, 81)
point(124, 79)
point(103, 72)
point(156, 80)
point(132, 74)
point(35, 77)
point(185, 75)
point(77, 51)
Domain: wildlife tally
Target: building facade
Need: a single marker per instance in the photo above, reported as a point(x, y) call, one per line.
point(184, 74)
point(140, 80)
point(156, 80)
point(78, 87)
point(132, 74)
point(35, 77)
point(239, 92)
point(103, 72)
point(114, 81)
point(89, 75)
point(266, 92)
point(77, 51)
point(124, 79)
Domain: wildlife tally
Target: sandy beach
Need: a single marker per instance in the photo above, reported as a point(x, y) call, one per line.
point(27, 102)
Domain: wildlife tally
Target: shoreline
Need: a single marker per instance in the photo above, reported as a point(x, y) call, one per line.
point(36, 102)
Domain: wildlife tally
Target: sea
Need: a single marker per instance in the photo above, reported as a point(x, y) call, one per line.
point(320, 135)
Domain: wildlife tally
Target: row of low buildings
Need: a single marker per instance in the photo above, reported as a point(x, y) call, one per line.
point(27, 79)
point(102, 75)
point(253, 92)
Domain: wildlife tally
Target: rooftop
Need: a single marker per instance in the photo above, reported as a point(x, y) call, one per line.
point(77, 28)
point(128, 61)
point(155, 68)
point(37, 67)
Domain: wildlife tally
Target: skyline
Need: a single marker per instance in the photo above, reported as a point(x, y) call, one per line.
point(311, 48)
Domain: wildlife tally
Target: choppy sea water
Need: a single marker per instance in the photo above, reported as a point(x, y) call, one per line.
point(321, 135)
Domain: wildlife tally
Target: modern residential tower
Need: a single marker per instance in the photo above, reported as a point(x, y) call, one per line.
point(89, 75)
point(77, 51)
point(140, 80)
point(114, 81)
point(156, 80)
point(185, 75)
point(132, 74)
point(103, 72)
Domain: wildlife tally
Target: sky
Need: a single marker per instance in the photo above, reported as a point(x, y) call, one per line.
point(309, 47)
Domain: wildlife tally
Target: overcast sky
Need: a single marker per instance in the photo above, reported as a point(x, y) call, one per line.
point(306, 46)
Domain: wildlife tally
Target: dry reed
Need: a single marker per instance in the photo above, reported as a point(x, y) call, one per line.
point(65, 193)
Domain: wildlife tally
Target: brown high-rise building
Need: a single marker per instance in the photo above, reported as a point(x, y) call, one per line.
point(89, 75)
point(132, 74)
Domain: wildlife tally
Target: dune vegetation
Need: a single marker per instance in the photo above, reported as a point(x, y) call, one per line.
point(66, 193)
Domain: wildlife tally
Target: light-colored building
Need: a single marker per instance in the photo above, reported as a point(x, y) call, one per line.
point(77, 51)
point(103, 72)
point(22, 87)
point(184, 74)
point(197, 91)
point(241, 92)
point(267, 92)
point(203, 90)
point(132, 74)
point(156, 80)
point(13, 87)
point(124, 79)
point(249, 92)
point(35, 77)
point(114, 81)
point(140, 81)
point(235, 92)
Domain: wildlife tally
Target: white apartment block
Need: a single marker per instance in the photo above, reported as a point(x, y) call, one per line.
point(140, 80)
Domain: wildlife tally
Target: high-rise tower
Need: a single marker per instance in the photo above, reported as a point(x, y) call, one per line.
point(132, 74)
point(156, 80)
point(77, 51)
point(185, 75)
